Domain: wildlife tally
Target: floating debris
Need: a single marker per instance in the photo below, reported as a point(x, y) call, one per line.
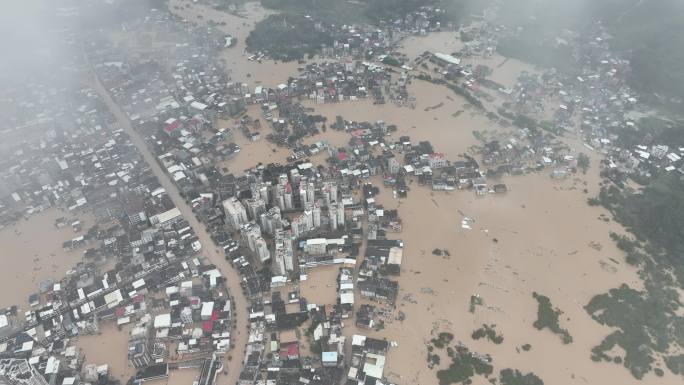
point(467, 222)
point(427, 290)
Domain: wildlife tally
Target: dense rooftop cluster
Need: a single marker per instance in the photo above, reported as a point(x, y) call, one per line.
point(93, 166)
point(277, 224)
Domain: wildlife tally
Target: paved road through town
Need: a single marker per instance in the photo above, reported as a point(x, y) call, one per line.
point(209, 249)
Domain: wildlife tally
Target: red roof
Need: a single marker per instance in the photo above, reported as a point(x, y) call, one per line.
point(290, 350)
point(342, 156)
point(173, 126)
point(214, 315)
point(138, 298)
point(120, 311)
point(208, 326)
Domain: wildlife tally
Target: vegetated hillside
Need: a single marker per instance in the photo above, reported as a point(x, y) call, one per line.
point(652, 35)
point(648, 326)
point(648, 32)
point(372, 11)
point(331, 11)
point(303, 26)
point(341, 11)
point(287, 37)
point(290, 34)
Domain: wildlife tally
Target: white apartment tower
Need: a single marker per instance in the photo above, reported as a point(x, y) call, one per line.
point(332, 216)
point(235, 212)
point(329, 192)
point(271, 220)
point(340, 214)
point(316, 214)
point(255, 207)
point(310, 193)
point(262, 249)
point(250, 232)
point(284, 255)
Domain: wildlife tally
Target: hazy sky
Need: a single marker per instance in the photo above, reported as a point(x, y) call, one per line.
point(29, 36)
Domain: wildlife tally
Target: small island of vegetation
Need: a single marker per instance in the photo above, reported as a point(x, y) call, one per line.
point(548, 317)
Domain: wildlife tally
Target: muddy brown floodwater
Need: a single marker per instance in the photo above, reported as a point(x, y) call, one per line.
point(268, 72)
point(540, 236)
point(444, 42)
point(33, 248)
point(109, 347)
point(546, 237)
